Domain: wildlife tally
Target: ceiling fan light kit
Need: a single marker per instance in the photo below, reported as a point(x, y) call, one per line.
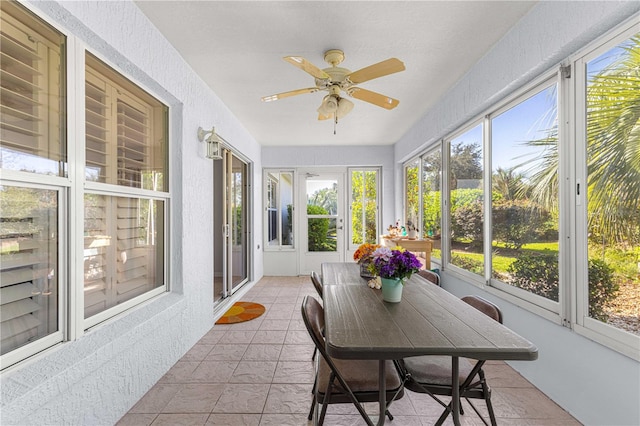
point(336, 80)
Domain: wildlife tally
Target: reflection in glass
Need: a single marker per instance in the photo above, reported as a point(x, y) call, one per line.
point(28, 265)
point(466, 196)
point(524, 182)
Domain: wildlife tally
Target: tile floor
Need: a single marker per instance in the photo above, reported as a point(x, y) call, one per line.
point(260, 373)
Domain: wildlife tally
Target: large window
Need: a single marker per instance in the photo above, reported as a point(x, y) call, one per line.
point(363, 187)
point(556, 166)
point(466, 214)
point(126, 151)
point(609, 277)
point(524, 193)
point(121, 194)
point(32, 144)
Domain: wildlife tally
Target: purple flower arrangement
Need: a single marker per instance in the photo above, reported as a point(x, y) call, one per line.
point(396, 263)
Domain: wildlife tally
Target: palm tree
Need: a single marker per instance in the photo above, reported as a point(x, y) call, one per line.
point(613, 150)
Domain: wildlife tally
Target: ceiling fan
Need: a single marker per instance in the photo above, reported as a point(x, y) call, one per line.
point(336, 80)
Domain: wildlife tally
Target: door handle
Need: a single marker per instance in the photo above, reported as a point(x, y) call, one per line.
point(339, 227)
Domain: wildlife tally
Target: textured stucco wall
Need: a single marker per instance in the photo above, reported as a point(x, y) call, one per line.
point(595, 384)
point(98, 377)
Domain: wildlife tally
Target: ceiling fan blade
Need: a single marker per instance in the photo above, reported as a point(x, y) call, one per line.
point(306, 66)
point(290, 93)
point(380, 69)
point(373, 98)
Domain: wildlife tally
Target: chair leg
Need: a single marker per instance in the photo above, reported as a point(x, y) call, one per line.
point(388, 414)
point(487, 397)
point(313, 406)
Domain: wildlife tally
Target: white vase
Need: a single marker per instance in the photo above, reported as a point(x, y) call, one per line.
point(413, 234)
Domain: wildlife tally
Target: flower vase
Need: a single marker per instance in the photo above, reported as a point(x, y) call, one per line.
point(364, 268)
point(391, 290)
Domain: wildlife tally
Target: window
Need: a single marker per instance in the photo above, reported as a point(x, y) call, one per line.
point(562, 186)
point(412, 192)
point(431, 194)
point(525, 200)
point(466, 200)
point(121, 192)
point(32, 144)
point(609, 279)
point(364, 191)
point(279, 208)
point(124, 248)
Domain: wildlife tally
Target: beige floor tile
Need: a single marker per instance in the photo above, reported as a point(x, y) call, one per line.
point(213, 372)
point(180, 420)
point(135, 419)
point(224, 352)
point(180, 372)
point(260, 352)
point(254, 372)
point(276, 349)
point(284, 420)
point(296, 353)
point(294, 372)
point(195, 398)
point(242, 398)
point(218, 419)
point(269, 336)
point(156, 399)
point(289, 399)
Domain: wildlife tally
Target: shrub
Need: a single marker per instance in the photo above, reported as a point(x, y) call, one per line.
point(318, 229)
point(517, 222)
point(467, 222)
point(538, 274)
point(467, 263)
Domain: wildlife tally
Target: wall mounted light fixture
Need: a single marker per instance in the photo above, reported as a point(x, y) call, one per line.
point(212, 141)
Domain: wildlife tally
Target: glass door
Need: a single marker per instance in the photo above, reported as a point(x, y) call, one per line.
point(323, 224)
point(231, 224)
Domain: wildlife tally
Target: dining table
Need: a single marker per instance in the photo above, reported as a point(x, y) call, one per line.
point(427, 321)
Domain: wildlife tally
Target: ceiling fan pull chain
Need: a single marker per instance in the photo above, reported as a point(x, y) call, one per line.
point(335, 123)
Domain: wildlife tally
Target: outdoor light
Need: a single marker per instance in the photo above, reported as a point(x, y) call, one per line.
point(212, 141)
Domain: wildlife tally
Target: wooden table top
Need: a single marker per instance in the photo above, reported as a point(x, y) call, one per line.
point(428, 321)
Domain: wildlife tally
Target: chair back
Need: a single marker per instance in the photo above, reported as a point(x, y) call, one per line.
point(313, 316)
point(315, 279)
point(430, 276)
point(484, 306)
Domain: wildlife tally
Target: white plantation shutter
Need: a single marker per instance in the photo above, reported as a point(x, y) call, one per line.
point(28, 266)
point(125, 146)
point(30, 97)
point(133, 272)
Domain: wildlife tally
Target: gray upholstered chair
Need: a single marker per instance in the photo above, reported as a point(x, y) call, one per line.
point(432, 374)
point(340, 381)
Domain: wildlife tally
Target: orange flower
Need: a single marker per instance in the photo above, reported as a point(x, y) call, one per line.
point(365, 250)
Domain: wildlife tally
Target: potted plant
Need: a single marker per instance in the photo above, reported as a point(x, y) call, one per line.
point(363, 256)
point(394, 266)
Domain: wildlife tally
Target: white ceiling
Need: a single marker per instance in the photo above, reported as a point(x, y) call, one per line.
point(237, 47)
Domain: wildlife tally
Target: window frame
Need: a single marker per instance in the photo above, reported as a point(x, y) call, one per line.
point(71, 189)
point(571, 310)
point(266, 173)
point(618, 339)
point(462, 273)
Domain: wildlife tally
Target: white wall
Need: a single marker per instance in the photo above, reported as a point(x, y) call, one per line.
point(596, 385)
point(98, 377)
